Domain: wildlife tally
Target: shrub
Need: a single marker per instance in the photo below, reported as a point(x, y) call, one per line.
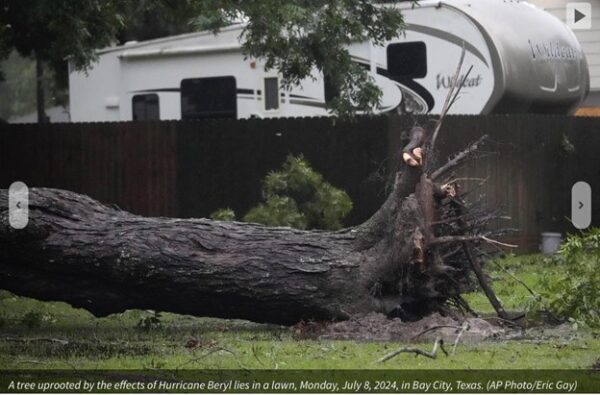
point(277, 211)
point(223, 214)
point(575, 294)
point(299, 197)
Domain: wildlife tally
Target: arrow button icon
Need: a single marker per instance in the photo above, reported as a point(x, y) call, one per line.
point(581, 205)
point(18, 205)
point(579, 15)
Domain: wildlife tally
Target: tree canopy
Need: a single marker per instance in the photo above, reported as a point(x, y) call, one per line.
point(297, 37)
point(53, 31)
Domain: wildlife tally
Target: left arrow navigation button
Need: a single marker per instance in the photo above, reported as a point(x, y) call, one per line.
point(18, 205)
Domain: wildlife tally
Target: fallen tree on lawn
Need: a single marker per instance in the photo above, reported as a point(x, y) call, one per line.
point(409, 259)
point(413, 257)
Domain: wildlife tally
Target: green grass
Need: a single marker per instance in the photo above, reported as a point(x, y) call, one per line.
point(511, 293)
point(31, 334)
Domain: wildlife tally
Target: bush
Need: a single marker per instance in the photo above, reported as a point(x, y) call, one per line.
point(277, 211)
point(223, 214)
point(299, 197)
point(575, 294)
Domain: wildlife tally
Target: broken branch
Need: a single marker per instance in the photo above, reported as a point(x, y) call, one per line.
point(465, 327)
point(448, 102)
point(433, 328)
point(458, 159)
point(433, 354)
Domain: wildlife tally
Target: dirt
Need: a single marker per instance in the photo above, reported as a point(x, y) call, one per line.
point(377, 327)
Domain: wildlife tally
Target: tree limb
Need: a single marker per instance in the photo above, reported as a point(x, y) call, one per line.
point(448, 102)
point(458, 159)
point(433, 354)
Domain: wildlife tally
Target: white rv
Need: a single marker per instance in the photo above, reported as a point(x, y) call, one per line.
point(524, 60)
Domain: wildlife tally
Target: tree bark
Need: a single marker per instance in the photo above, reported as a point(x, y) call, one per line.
point(105, 260)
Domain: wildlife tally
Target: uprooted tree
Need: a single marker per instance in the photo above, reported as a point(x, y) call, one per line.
point(415, 255)
point(410, 258)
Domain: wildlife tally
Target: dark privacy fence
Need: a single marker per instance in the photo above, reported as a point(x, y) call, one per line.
point(189, 169)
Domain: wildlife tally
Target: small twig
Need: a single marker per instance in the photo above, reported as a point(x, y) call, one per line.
point(491, 241)
point(465, 327)
point(447, 103)
point(459, 239)
point(508, 321)
point(451, 219)
point(468, 192)
point(465, 305)
point(482, 180)
point(461, 156)
point(535, 295)
point(433, 354)
point(433, 328)
point(451, 253)
point(256, 356)
point(462, 84)
point(453, 239)
point(206, 354)
point(35, 339)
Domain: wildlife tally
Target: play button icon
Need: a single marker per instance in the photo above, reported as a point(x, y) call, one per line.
point(579, 15)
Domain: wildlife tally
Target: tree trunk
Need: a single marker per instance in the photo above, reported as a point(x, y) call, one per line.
point(106, 260)
point(39, 90)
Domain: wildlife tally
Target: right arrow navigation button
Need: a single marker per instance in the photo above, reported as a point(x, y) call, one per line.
point(581, 205)
point(578, 15)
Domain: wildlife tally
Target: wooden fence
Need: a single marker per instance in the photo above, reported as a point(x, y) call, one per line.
point(189, 169)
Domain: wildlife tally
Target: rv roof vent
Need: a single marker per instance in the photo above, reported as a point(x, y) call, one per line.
point(131, 42)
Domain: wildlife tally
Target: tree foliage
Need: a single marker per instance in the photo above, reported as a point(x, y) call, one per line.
point(298, 38)
point(146, 20)
point(575, 294)
point(54, 31)
point(223, 214)
point(296, 196)
point(62, 30)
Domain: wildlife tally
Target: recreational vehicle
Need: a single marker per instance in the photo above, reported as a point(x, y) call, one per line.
point(523, 60)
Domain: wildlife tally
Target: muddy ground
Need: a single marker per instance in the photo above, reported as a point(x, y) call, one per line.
point(377, 327)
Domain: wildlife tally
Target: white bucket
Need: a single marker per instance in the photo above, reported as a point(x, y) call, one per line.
point(550, 243)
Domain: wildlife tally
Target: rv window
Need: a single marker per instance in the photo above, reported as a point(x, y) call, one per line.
point(408, 60)
point(145, 107)
point(271, 93)
point(213, 97)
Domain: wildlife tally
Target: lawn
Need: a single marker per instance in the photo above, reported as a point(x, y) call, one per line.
point(50, 335)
